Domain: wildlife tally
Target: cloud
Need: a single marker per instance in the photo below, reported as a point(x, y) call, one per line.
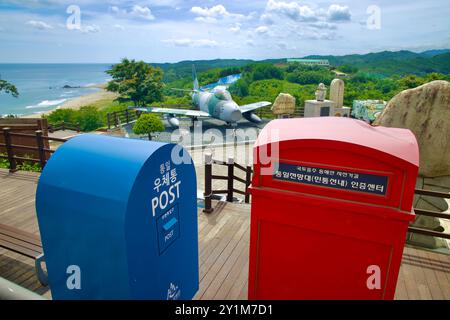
point(196, 43)
point(235, 29)
point(136, 12)
point(267, 18)
point(323, 25)
point(250, 43)
point(90, 29)
point(338, 13)
point(142, 12)
point(292, 10)
point(213, 14)
point(118, 27)
point(262, 30)
point(41, 25)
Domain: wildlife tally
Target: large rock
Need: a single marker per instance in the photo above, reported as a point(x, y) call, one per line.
point(424, 110)
point(284, 104)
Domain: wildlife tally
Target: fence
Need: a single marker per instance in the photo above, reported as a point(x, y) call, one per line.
point(41, 146)
point(230, 178)
point(64, 126)
point(431, 213)
point(123, 116)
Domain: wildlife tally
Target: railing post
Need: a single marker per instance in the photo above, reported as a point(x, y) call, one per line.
point(230, 165)
point(127, 116)
point(63, 125)
point(208, 184)
point(108, 120)
point(116, 119)
point(78, 127)
point(40, 145)
point(9, 150)
point(248, 178)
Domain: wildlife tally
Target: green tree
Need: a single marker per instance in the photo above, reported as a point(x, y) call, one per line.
point(89, 118)
point(9, 88)
point(136, 81)
point(59, 115)
point(147, 124)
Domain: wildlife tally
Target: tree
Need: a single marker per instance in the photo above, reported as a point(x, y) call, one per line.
point(147, 124)
point(136, 81)
point(89, 118)
point(7, 87)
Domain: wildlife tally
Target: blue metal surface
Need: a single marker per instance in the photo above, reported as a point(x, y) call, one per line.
point(122, 212)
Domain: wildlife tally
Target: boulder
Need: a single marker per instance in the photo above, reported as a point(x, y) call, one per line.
point(424, 110)
point(284, 104)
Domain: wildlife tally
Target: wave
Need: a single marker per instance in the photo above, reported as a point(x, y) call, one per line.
point(46, 103)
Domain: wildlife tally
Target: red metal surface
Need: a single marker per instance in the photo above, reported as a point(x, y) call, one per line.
point(317, 242)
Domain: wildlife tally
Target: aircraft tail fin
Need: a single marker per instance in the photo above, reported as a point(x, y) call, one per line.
point(194, 77)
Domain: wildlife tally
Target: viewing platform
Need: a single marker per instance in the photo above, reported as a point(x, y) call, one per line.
point(223, 249)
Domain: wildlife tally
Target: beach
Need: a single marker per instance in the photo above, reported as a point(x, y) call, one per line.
point(78, 102)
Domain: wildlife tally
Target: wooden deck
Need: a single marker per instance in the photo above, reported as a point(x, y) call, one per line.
point(223, 246)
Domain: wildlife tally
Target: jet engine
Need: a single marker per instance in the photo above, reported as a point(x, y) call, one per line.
point(173, 120)
point(250, 116)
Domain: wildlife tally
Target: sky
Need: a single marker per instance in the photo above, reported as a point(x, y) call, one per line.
point(104, 31)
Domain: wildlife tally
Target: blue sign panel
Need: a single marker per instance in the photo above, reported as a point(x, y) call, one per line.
point(168, 228)
point(330, 178)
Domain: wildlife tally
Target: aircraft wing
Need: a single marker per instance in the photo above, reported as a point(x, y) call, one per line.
point(254, 106)
point(183, 112)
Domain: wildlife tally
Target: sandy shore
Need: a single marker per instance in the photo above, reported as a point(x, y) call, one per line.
point(81, 101)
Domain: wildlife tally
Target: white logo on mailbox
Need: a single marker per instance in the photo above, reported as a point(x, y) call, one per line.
point(173, 293)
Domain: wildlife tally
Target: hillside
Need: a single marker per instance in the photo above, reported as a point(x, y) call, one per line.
point(383, 64)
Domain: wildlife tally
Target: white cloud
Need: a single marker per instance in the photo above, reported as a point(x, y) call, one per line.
point(250, 43)
point(142, 12)
point(262, 30)
point(136, 12)
point(196, 43)
point(90, 29)
point(235, 29)
point(119, 27)
point(323, 25)
point(213, 14)
point(292, 10)
point(41, 25)
point(338, 13)
point(216, 11)
point(267, 18)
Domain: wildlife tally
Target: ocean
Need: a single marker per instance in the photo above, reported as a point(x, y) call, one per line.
point(41, 86)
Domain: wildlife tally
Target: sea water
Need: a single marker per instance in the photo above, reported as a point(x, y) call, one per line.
point(41, 86)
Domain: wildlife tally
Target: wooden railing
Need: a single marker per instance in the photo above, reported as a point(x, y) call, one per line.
point(62, 126)
point(42, 151)
point(431, 213)
point(114, 119)
point(230, 178)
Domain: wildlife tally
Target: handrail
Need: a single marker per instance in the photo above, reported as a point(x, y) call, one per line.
point(43, 152)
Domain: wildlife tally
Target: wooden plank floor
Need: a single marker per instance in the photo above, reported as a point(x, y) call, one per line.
point(223, 250)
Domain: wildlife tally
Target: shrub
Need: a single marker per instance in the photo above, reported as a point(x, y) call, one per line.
point(147, 124)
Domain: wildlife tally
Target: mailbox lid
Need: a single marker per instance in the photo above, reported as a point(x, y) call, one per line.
point(385, 158)
point(400, 143)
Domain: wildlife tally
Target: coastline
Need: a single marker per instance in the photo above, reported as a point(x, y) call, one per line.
point(78, 102)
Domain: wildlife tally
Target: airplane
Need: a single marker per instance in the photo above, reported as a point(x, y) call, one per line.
point(212, 101)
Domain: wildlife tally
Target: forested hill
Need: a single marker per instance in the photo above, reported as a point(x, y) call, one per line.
point(382, 64)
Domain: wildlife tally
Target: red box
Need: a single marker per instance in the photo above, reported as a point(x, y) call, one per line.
point(330, 210)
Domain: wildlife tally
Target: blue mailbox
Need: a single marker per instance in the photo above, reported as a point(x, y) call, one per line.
point(118, 220)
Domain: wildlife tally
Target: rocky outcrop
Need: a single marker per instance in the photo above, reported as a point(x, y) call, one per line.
point(284, 104)
point(424, 110)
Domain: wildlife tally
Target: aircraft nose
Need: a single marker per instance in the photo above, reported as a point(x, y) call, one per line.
point(232, 112)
